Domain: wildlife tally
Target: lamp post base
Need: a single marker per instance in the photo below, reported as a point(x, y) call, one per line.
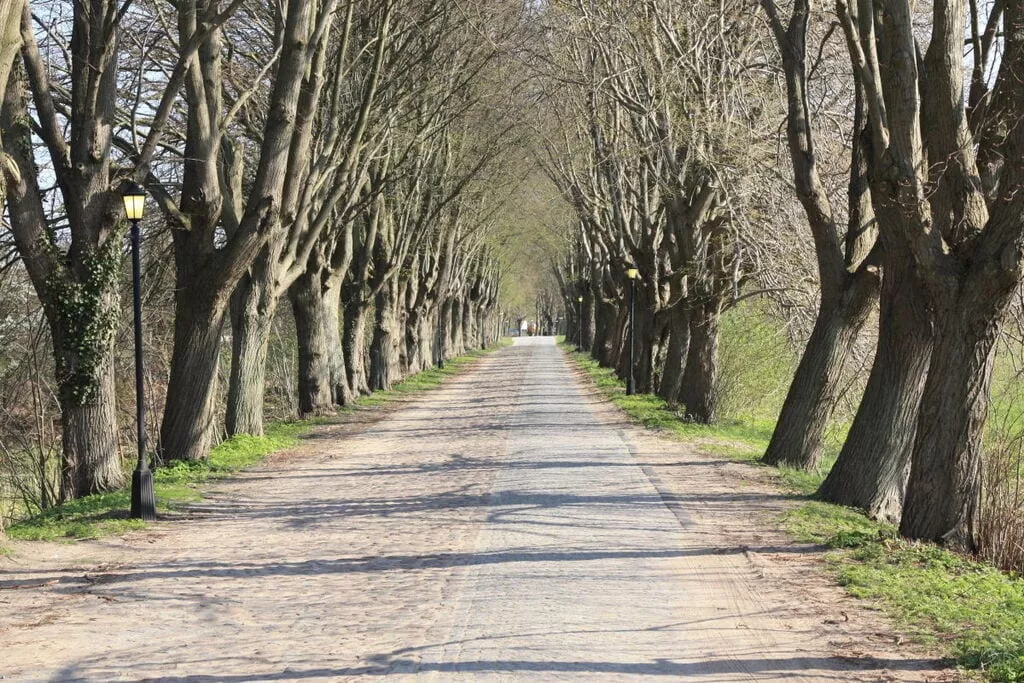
point(629, 387)
point(143, 497)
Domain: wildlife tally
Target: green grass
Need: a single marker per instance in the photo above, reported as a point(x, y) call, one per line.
point(106, 514)
point(179, 483)
point(965, 609)
point(748, 439)
point(968, 610)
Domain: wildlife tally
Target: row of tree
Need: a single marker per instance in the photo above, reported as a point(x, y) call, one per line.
point(904, 128)
point(335, 154)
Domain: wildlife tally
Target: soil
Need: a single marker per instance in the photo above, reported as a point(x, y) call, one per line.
point(508, 526)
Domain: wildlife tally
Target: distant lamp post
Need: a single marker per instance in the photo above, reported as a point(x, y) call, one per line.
point(579, 324)
point(440, 338)
point(143, 498)
point(633, 274)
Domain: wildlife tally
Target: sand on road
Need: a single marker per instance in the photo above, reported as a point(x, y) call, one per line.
point(507, 526)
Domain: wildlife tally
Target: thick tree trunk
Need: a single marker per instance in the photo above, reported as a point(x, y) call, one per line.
point(415, 352)
point(354, 345)
point(343, 394)
point(91, 455)
point(384, 345)
point(589, 336)
point(797, 439)
point(469, 333)
point(659, 357)
point(699, 392)
point(484, 328)
point(675, 359)
point(458, 345)
point(314, 317)
point(944, 489)
point(251, 321)
point(444, 341)
point(872, 468)
point(609, 324)
point(189, 425)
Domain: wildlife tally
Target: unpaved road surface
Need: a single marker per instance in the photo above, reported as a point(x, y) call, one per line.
point(505, 527)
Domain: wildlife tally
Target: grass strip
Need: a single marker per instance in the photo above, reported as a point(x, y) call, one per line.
point(178, 484)
point(967, 610)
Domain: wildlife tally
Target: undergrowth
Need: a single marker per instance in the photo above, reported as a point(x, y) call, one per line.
point(179, 483)
point(966, 609)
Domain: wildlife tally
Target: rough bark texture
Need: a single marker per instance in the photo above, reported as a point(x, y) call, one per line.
point(384, 368)
point(316, 315)
point(946, 464)
point(699, 393)
point(871, 471)
point(91, 455)
point(797, 439)
point(251, 322)
point(189, 427)
point(354, 345)
point(675, 359)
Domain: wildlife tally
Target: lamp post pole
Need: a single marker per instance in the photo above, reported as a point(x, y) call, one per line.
point(143, 497)
point(440, 337)
point(579, 324)
point(630, 381)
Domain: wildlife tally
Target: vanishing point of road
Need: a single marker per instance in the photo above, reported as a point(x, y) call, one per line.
point(507, 526)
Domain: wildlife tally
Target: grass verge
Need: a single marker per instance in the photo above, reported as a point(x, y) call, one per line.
point(178, 484)
point(965, 609)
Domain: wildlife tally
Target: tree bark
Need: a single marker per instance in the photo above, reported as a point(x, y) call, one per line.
point(189, 426)
point(316, 315)
point(252, 311)
point(384, 344)
point(699, 393)
point(797, 439)
point(675, 360)
point(354, 346)
point(415, 352)
point(91, 460)
point(871, 472)
point(946, 461)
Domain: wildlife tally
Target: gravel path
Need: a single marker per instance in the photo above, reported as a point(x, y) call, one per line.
point(504, 527)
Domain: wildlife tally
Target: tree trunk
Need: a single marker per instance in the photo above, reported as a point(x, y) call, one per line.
point(91, 456)
point(354, 346)
point(458, 346)
point(609, 323)
point(872, 468)
point(444, 344)
point(588, 335)
point(188, 427)
point(699, 391)
point(797, 439)
point(414, 350)
point(469, 333)
point(675, 359)
point(252, 312)
point(944, 489)
point(343, 394)
point(313, 312)
point(384, 345)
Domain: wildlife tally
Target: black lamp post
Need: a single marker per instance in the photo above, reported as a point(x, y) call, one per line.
point(440, 337)
point(143, 498)
point(579, 324)
point(632, 273)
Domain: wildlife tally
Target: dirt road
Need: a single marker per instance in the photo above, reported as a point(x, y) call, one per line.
point(504, 527)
